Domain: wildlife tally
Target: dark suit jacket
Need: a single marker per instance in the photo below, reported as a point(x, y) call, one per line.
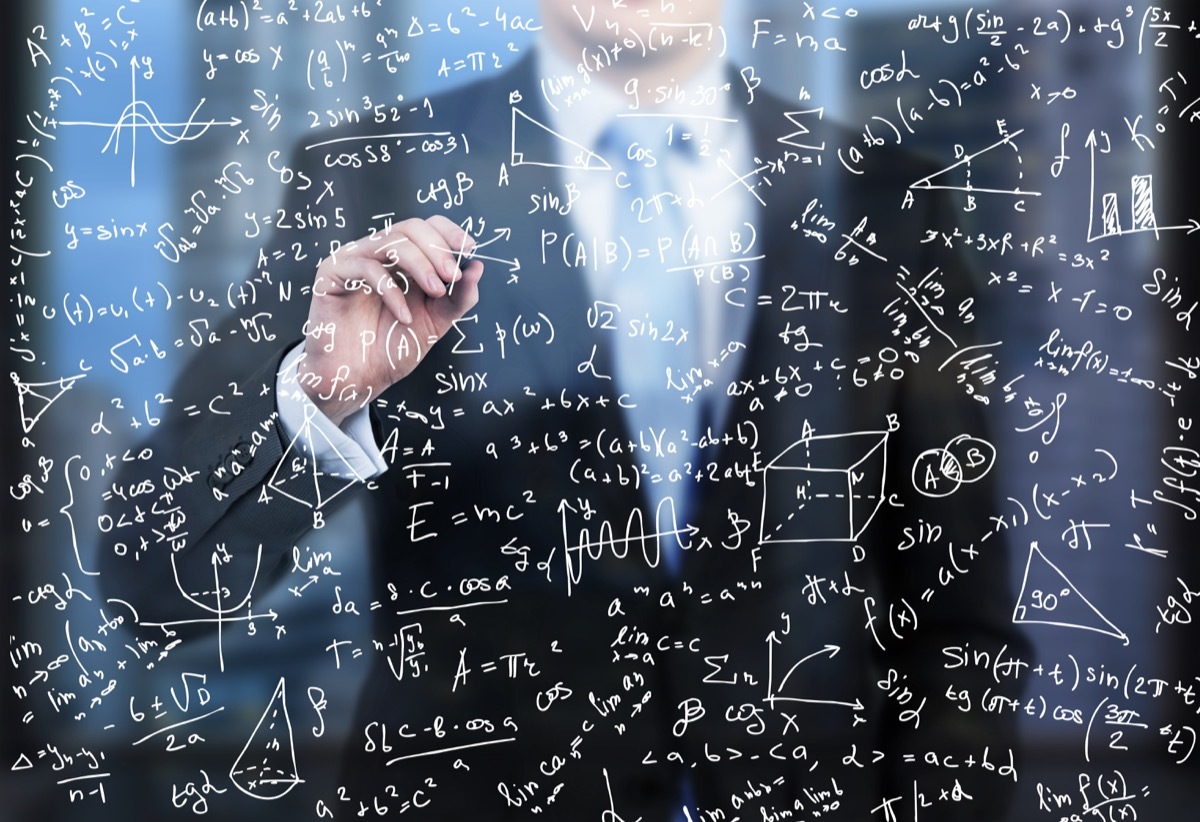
point(798, 636)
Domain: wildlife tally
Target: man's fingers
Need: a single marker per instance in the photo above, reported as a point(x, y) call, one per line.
point(456, 242)
point(427, 252)
point(438, 239)
point(392, 292)
point(346, 274)
point(423, 250)
point(409, 259)
point(424, 253)
point(365, 276)
point(462, 297)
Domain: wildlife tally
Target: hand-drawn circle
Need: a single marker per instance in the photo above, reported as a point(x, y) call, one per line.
point(975, 456)
point(933, 465)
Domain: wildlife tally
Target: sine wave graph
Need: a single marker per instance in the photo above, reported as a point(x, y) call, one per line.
point(138, 115)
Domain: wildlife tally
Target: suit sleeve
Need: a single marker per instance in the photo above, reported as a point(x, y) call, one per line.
point(220, 493)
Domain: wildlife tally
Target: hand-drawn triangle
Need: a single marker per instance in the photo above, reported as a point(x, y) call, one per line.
point(524, 129)
point(22, 763)
point(33, 403)
point(266, 767)
point(950, 179)
point(1047, 597)
point(297, 475)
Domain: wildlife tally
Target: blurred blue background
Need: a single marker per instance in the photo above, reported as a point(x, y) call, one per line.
point(222, 92)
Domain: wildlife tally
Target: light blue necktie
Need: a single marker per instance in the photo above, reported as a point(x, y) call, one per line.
point(657, 350)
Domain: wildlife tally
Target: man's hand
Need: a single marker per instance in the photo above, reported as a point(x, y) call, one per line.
point(378, 304)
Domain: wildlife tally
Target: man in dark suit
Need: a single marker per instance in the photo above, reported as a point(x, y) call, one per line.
point(582, 609)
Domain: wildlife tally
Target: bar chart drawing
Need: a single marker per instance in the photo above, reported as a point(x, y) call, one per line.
point(1141, 207)
point(1142, 202)
point(1142, 215)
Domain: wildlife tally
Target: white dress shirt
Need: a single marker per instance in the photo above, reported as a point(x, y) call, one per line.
point(718, 208)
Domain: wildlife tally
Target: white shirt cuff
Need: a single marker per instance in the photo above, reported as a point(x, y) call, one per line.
point(349, 452)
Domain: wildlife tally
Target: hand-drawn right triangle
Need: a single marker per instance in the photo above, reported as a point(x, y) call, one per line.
point(1048, 598)
point(524, 128)
point(952, 179)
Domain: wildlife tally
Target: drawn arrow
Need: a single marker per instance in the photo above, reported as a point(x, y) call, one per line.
point(514, 264)
point(772, 697)
point(832, 650)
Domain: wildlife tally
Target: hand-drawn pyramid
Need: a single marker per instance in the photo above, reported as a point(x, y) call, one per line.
point(298, 477)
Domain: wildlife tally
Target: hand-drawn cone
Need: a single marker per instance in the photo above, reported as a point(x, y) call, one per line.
point(266, 767)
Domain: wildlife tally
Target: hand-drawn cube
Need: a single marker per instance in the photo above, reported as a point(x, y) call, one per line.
point(824, 488)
